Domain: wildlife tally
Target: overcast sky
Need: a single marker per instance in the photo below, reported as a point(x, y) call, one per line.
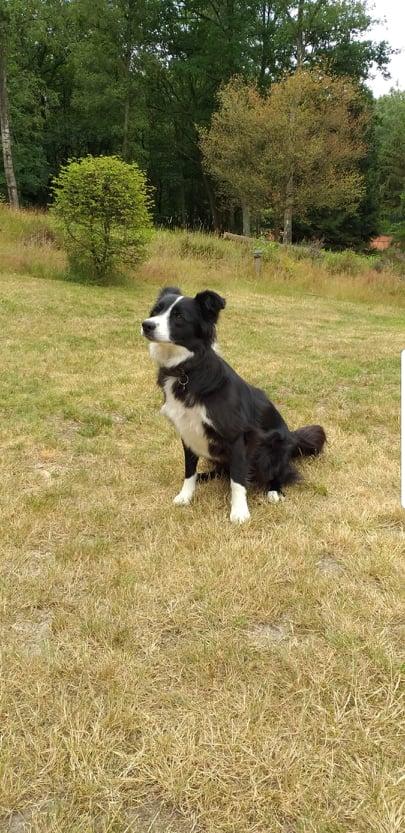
point(393, 30)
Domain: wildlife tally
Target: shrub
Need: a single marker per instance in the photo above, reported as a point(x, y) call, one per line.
point(270, 251)
point(393, 259)
point(102, 204)
point(347, 261)
point(399, 234)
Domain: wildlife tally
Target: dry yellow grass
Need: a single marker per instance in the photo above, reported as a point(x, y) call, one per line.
point(164, 671)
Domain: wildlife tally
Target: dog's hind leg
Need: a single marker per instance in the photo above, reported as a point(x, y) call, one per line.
point(190, 478)
point(275, 496)
point(287, 475)
point(274, 491)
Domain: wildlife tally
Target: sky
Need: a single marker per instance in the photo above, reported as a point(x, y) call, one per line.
point(392, 30)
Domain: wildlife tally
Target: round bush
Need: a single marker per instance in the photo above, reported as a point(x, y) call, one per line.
point(103, 206)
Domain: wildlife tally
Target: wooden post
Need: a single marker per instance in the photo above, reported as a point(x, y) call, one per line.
point(257, 255)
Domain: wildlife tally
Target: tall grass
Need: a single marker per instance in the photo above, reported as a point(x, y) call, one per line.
point(291, 270)
point(29, 244)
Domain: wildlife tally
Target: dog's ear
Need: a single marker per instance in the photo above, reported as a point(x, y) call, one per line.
point(168, 290)
point(210, 304)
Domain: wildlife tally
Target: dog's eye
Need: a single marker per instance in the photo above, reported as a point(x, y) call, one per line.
point(157, 309)
point(177, 314)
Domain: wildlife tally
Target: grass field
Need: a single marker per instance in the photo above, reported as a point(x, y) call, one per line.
point(162, 670)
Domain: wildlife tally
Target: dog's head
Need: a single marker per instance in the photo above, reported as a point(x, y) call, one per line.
point(187, 322)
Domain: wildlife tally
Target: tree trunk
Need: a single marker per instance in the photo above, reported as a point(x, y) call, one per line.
point(125, 130)
point(6, 135)
point(127, 107)
point(214, 212)
point(288, 211)
point(300, 35)
point(182, 203)
point(246, 219)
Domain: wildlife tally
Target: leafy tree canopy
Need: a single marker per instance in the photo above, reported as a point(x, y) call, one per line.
point(139, 78)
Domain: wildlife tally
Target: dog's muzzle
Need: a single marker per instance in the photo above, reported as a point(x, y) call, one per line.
point(148, 329)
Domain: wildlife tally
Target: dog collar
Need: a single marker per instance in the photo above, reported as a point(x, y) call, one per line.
point(183, 380)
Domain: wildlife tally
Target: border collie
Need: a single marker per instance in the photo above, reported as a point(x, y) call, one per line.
point(218, 415)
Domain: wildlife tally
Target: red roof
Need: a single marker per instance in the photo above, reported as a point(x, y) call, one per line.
point(380, 243)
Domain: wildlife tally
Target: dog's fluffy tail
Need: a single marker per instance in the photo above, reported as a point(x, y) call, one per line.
point(309, 440)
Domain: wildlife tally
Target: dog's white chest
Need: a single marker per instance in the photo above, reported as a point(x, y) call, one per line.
point(189, 422)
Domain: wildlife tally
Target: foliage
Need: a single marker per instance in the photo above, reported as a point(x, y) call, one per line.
point(298, 145)
point(204, 246)
point(233, 148)
point(391, 155)
point(399, 230)
point(344, 262)
point(315, 127)
point(103, 205)
point(138, 79)
point(393, 259)
point(340, 227)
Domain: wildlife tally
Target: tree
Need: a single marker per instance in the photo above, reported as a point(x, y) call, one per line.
point(310, 33)
point(391, 154)
point(296, 149)
point(234, 146)
point(341, 227)
point(39, 40)
point(103, 205)
point(139, 78)
point(5, 118)
point(316, 125)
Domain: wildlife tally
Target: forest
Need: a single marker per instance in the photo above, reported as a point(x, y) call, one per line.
point(144, 79)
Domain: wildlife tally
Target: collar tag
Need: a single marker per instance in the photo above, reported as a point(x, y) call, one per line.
point(183, 380)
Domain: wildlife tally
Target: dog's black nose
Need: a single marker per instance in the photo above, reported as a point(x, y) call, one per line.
point(148, 327)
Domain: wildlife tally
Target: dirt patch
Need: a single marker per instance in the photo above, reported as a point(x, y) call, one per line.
point(29, 819)
point(34, 635)
point(264, 634)
point(16, 823)
point(36, 562)
point(155, 818)
point(328, 565)
point(45, 474)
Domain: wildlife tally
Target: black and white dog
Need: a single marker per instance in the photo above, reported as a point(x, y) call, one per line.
point(218, 415)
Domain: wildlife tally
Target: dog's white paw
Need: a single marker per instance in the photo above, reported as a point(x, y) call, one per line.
point(186, 492)
point(275, 497)
point(239, 516)
point(239, 508)
point(182, 499)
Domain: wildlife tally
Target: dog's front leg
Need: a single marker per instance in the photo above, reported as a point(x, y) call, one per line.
point(190, 478)
point(238, 470)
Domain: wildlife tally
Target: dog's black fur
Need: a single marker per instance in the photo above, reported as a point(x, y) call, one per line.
point(247, 436)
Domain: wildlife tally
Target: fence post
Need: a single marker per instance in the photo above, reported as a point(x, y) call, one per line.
point(257, 255)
